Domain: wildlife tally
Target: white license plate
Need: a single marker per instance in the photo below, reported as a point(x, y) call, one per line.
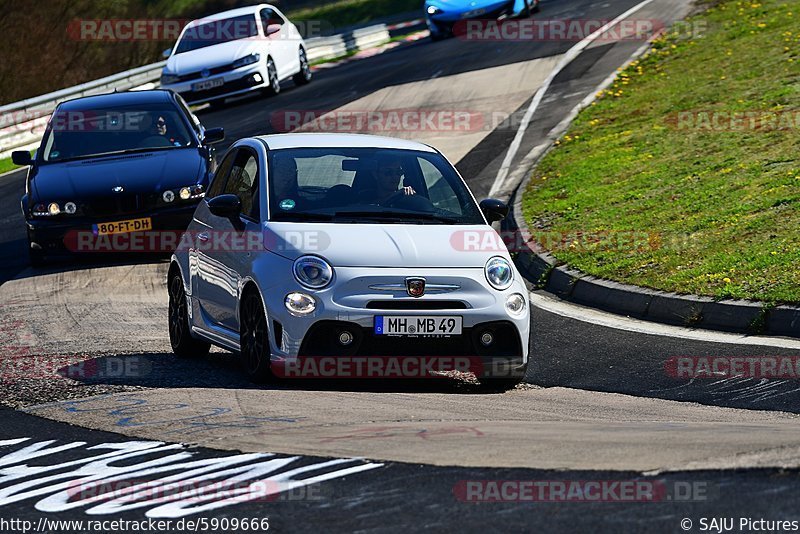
point(208, 84)
point(417, 325)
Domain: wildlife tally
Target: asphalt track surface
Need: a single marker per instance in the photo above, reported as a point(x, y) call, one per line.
point(599, 404)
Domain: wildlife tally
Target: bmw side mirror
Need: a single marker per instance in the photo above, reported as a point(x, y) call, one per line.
point(494, 210)
point(226, 206)
point(166, 53)
point(21, 157)
point(214, 135)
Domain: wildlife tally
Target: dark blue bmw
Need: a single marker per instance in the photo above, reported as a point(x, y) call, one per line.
point(115, 166)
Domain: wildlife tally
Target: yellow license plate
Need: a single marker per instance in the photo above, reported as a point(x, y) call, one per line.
point(124, 227)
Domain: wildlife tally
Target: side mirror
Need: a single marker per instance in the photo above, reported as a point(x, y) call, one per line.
point(493, 209)
point(226, 206)
point(21, 157)
point(166, 53)
point(272, 28)
point(214, 135)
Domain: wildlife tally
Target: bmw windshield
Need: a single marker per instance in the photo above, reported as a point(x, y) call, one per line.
point(74, 134)
point(367, 185)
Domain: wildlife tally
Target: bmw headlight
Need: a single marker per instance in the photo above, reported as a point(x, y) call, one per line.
point(499, 273)
point(433, 10)
point(246, 60)
point(312, 272)
point(167, 78)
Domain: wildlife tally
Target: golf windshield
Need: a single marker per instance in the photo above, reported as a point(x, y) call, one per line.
point(217, 32)
point(367, 185)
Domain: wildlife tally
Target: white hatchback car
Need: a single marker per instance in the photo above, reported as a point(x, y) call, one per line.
point(336, 245)
point(235, 52)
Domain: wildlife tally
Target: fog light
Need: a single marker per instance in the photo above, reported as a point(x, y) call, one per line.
point(515, 304)
point(257, 78)
point(168, 196)
point(300, 304)
point(487, 338)
point(345, 338)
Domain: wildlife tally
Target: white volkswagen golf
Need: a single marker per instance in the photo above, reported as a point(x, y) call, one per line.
point(337, 246)
point(235, 52)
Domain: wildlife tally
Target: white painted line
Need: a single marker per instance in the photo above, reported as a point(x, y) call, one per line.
point(610, 320)
point(571, 54)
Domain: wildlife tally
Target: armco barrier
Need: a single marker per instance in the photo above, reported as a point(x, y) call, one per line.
point(23, 121)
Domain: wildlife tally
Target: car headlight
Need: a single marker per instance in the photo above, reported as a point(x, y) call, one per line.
point(167, 79)
point(499, 273)
point(312, 272)
point(515, 304)
point(246, 60)
point(433, 10)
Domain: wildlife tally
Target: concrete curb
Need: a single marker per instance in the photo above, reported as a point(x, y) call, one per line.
point(545, 272)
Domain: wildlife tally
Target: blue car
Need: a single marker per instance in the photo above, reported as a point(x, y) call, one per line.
point(122, 163)
point(443, 16)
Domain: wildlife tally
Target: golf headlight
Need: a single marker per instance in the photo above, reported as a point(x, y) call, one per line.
point(499, 273)
point(300, 304)
point(312, 272)
point(70, 208)
point(515, 304)
point(53, 209)
point(168, 196)
point(167, 78)
point(191, 192)
point(433, 10)
point(246, 60)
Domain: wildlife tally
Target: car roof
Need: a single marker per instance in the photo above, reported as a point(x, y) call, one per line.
point(338, 140)
point(247, 10)
point(155, 96)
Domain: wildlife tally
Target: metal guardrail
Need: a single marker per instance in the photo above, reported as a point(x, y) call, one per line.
point(22, 123)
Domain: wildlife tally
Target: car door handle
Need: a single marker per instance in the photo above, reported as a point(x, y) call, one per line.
point(203, 236)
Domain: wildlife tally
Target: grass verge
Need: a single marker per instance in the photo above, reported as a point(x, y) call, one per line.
point(683, 176)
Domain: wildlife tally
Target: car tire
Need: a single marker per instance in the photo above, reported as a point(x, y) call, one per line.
point(254, 339)
point(499, 385)
point(304, 76)
point(180, 337)
point(274, 86)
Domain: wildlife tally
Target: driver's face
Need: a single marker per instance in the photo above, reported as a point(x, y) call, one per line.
point(161, 126)
point(389, 174)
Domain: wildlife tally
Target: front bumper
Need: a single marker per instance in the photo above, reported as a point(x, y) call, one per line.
point(75, 235)
point(349, 304)
point(235, 82)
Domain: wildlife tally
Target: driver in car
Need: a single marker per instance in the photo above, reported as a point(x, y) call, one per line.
point(390, 173)
point(155, 128)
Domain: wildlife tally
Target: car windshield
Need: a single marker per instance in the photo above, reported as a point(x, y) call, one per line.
point(85, 133)
point(367, 185)
point(216, 32)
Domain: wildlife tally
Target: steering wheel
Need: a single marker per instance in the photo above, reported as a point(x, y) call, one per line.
point(394, 197)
